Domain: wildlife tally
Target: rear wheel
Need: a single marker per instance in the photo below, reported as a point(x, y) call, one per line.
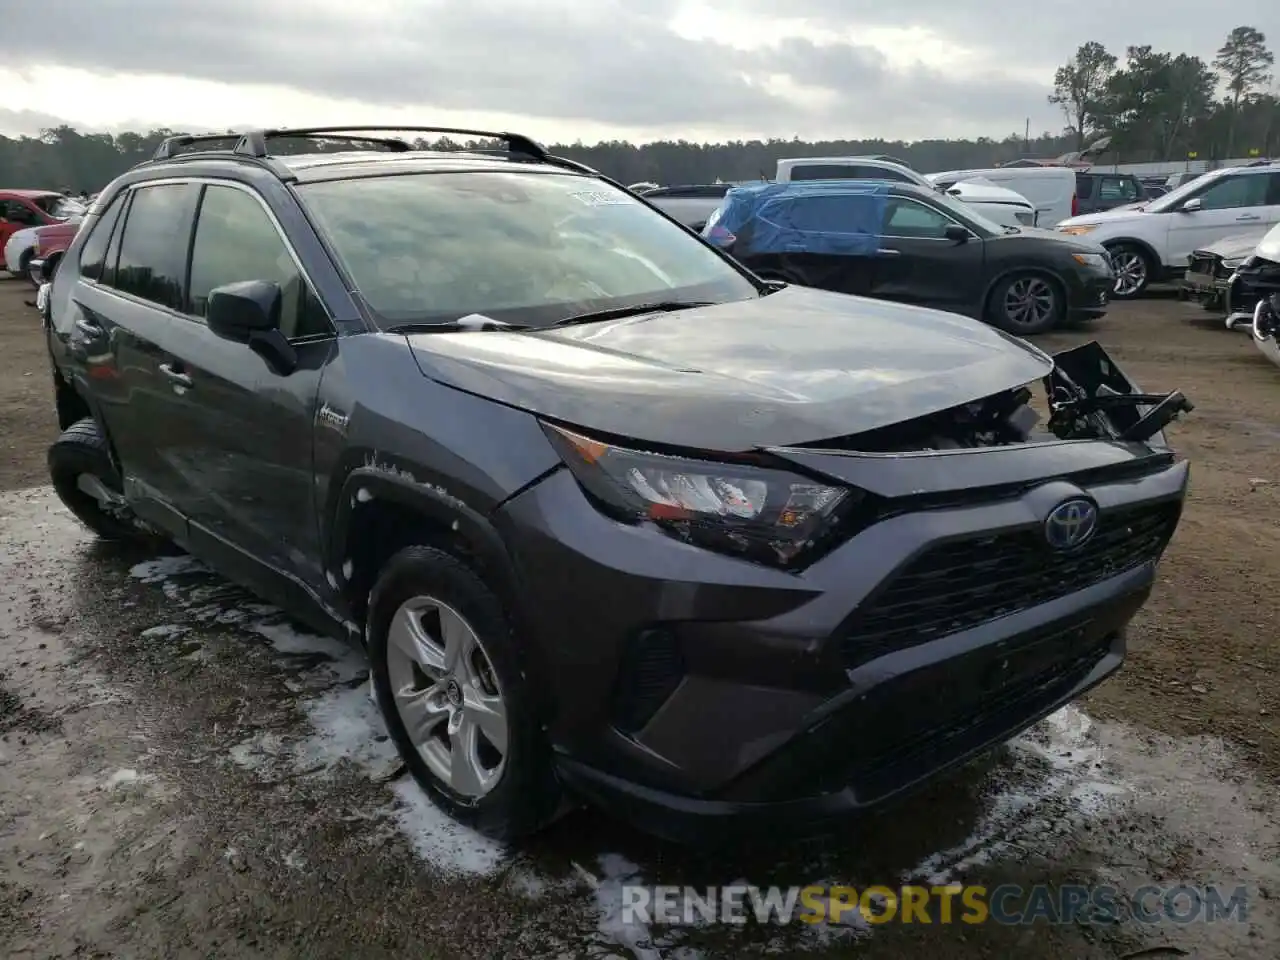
point(1134, 270)
point(1026, 304)
point(87, 482)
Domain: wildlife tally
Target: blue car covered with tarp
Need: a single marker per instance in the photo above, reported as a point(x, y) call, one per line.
point(817, 233)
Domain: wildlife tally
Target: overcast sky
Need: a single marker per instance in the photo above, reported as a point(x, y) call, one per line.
point(564, 70)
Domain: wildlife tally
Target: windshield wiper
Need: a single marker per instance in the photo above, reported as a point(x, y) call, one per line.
point(472, 322)
point(617, 313)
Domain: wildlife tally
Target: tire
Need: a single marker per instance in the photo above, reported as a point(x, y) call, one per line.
point(1134, 270)
point(82, 451)
point(1026, 304)
point(422, 583)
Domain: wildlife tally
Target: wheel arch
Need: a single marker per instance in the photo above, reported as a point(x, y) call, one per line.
point(377, 513)
point(1150, 251)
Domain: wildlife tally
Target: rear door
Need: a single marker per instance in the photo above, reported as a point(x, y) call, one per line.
point(919, 265)
point(122, 309)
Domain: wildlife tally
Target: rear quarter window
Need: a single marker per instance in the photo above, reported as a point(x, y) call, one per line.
point(94, 252)
point(1084, 186)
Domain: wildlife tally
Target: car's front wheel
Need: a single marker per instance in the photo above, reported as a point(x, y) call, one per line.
point(1026, 304)
point(454, 690)
point(1133, 268)
point(87, 482)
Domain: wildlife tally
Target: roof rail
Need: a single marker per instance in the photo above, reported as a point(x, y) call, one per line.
point(169, 146)
point(254, 142)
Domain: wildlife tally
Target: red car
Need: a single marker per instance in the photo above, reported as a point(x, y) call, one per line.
point(20, 209)
point(51, 243)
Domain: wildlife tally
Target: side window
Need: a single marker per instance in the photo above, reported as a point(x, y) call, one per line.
point(1243, 190)
point(1084, 186)
point(1117, 188)
point(19, 214)
point(153, 246)
point(1273, 190)
point(236, 240)
point(94, 252)
point(912, 220)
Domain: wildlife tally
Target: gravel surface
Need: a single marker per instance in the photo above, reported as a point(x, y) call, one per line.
point(184, 773)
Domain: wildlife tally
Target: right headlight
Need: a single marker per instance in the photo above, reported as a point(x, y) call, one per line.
point(758, 513)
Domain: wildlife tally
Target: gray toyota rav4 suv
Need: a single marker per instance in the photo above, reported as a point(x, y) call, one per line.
point(614, 519)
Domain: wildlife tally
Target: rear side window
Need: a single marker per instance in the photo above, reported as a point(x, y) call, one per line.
point(153, 247)
point(1084, 186)
point(94, 251)
point(236, 240)
point(1119, 188)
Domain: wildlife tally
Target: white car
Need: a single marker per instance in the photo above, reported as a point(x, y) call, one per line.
point(993, 201)
point(18, 244)
point(1153, 242)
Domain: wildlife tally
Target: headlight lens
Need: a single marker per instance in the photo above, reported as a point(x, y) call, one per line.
point(1078, 231)
point(1096, 260)
point(765, 515)
point(1233, 263)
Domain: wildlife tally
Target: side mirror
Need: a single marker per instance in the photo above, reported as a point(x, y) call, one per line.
point(956, 233)
point(1191, 206)
point(236, 311)
point(248, 312)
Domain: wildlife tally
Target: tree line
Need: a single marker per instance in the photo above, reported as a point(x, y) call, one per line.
point(1155, 106)
point(1166, 106)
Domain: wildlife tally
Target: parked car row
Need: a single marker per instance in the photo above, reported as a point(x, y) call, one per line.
point(28, 217)
point(1151, 242)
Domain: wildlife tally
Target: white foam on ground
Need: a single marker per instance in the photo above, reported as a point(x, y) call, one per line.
point(125, 777)
point(1076, 787)
point(165, 630)
point(443, 842)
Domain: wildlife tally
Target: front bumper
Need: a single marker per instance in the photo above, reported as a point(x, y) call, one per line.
point(695, 693)
point(1219, 291)
point(1090, 297)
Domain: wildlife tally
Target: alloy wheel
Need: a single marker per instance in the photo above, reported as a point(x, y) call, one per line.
point(1029, 302)
point(1131, 271)
point(446, 693)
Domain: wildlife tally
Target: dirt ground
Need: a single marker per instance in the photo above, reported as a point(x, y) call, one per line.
point(183, 773)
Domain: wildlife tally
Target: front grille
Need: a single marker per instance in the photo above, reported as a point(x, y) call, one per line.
point(960, 584)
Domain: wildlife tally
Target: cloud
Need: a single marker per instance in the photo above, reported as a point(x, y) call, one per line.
point(612, 62)
point(1044, 34)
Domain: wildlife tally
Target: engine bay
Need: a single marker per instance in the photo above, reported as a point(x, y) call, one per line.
point(1086, 395)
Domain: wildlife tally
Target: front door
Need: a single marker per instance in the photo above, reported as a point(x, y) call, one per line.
point(918, 264)
point(1238, 203)
point(241, 436)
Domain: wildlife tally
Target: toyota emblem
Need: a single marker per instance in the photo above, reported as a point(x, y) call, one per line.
point(1070, 524)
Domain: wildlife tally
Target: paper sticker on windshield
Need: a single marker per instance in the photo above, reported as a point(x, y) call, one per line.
point(598, 198)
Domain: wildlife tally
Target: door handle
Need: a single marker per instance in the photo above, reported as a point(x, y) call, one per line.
point(888, 252)
point(174, 376)
point(1248, 216)
point(89, 328)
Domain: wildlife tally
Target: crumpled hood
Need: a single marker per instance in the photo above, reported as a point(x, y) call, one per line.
point(797, 366)
point(1234, 247)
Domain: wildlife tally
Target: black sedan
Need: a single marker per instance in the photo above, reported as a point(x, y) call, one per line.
point(909, 244)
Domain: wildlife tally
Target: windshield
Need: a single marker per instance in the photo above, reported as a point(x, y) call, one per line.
point(59, 207)
point(968, 213)
point(1177, 195)
point(526, 248)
